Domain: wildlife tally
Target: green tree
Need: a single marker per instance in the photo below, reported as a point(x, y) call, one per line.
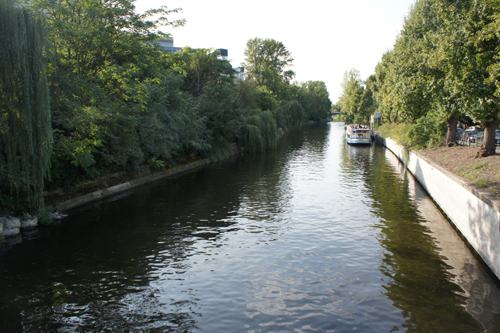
point(411, 79)
point(367, 105)
point(289, 115)
point(218, 107)
point(318, 101)
point(246, 93)
point(201, 66)
point(386, 92)
point(413, 51)
point(259, 132)
point(25, 131)
point(265, 99)
point(490, 35)
point(443, 63)
point(268, 61)
point(461, 55)
point(479, 75)
point(90, 35)
point(352, 92)
point(103, 61)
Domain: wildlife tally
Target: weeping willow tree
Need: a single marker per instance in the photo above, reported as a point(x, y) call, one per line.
point(259, 132)
point(251, 137)
point(290, 115)
point(25, 126)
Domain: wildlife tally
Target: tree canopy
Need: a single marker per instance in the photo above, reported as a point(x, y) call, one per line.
point(352, 92)
point(95, 95)
point(443, 68)
point(268, 62)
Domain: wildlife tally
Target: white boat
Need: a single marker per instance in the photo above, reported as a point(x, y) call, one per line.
point(358, 135)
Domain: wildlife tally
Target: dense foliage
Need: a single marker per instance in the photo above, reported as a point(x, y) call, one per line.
point(443, 69)
point(119, 102)
point(25, 132)
point(268, 62)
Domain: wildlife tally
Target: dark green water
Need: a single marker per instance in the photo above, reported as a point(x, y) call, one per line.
point(317, 236)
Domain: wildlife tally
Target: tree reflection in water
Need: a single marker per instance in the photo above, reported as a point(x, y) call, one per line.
point(431, 274)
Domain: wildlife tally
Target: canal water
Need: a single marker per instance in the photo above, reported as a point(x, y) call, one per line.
point(317, 236)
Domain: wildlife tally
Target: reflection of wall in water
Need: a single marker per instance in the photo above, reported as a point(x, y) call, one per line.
point(395, 163)
point(482, 296)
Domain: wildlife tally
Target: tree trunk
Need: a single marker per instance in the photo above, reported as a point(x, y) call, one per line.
point(451, 136)
point(488, 146)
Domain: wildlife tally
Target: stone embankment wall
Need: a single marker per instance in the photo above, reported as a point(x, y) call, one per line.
point(12, 226)
point(474, 213)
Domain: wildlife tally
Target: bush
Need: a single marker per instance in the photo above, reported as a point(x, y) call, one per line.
point(396, 131)
point(427, 132)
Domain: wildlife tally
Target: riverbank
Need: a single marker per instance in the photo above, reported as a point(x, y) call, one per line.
point(79, 199)
point(108, 186)
point(60, 201)
point(474, 211)
point(98, 190)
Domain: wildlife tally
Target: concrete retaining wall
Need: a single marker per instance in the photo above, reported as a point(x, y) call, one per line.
point(101, 194)
point(475, 214)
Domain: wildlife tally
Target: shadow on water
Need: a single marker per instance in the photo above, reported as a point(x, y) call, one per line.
point(431, 275)
point(315, 236)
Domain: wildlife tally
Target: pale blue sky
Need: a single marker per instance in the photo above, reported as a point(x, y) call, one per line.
point(326, 38)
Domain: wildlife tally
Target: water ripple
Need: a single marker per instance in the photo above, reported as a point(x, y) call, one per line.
point(317, 236)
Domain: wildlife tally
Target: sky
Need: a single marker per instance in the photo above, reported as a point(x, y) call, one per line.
point(325, 38)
